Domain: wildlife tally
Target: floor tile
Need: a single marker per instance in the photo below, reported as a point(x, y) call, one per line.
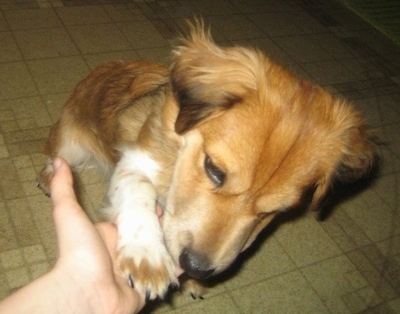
point(94, 60)
point(269, 260)
point(329, 72)
point(58, 75)
point(98, 38)
point(302, 49)
point(306, 241)
point(218, 304)
point(373, 216)
point(334, 278)
point(142, 34)
point(83, 15)
point(8, 50)
point(32, 18)
point(16, 81)
point(289, 293)
point(275, 24)
point(236, 27)
point(45, 43)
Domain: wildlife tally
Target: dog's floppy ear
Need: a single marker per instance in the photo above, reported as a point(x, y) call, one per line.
point(357, 153)
point(208, 79)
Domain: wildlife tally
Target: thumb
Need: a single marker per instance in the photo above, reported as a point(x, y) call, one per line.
point(71, 223)
point(62, 190)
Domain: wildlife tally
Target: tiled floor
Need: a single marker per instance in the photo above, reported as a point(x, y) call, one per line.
point(348, 263)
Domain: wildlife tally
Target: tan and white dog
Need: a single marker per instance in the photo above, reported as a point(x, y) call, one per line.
point(224, 140)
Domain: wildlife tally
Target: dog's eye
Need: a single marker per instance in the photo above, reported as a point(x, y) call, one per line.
point(215, 174)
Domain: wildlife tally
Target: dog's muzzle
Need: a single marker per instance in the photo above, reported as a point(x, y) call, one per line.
point(195, 265)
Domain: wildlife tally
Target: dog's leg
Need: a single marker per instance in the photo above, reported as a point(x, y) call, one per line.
point(142, 255)
point(64, 141)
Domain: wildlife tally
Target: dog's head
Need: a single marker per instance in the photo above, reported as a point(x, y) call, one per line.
point(255, 140)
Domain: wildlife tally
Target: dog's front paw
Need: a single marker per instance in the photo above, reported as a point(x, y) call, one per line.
point(150, 270)
point(191, 287)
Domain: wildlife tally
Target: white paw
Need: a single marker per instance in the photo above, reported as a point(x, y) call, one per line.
point(150, 268)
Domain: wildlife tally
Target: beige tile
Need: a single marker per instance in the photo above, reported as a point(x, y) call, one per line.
point(8, 240)
point(395, 305)
point(39, 269)
point(388, 188)
point(45, 43)
point(30, 188)
point(23, 161)
point(392, 132)
point(355, 235)
point(17, 277)
point(58, 75)
point(306, 241)
point(11, 259)
point(354, 302)
point(390, 247)
point(34, 253)
point(334, 278)
point(3, 23)
point(98, 38)
point(142, 34)
point(4, 153)
point(100, 58)
point(289, 293)
point(337, 232)
point(10, 187)
point(370, 297)
point(41, 210)
point(389, 162)
point(269, 260)
point(8, 49)
point(373, 275)
point(7, 115)
point(26, 174)
point(4, 288)
point(32, 18)
point(373, 216)
point(218, 304)
point(236, 27)
point(54, 103)
point(161, 54)
point(83, 15)
point(21, 215)
point(23, 136)
point(27, 108)
point(122, 13)
point(15, 81)
point(26, 124)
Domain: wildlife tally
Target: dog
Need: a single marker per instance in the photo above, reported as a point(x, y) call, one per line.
point(224, 140)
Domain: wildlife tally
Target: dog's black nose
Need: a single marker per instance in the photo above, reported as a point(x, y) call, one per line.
point(196, 265)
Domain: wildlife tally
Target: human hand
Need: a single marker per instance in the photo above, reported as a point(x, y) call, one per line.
point(87, 254)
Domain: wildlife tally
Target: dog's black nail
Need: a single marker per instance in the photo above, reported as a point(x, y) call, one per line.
point(193, 296)
point(147, 296)
point(201, 297)
point(130, 281)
